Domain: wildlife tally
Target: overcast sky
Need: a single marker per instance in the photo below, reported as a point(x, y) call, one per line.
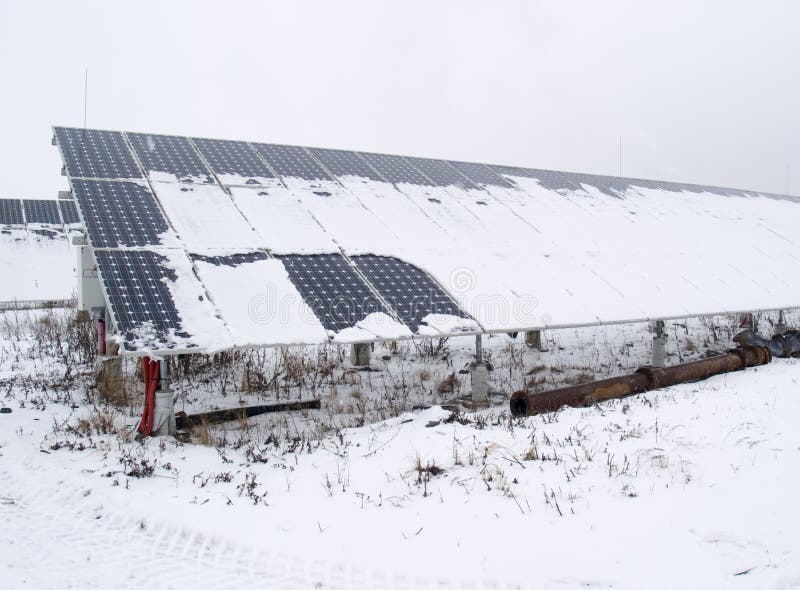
point(705, 92)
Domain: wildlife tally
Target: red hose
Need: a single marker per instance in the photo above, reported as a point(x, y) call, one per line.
point(150, 372)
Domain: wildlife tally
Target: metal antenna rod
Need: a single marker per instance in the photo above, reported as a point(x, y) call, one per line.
point(787, 178)
point(85, 96)
point(620, 156)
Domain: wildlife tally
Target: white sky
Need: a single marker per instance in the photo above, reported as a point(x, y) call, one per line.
point(705, 92)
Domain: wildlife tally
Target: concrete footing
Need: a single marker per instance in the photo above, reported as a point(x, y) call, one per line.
point(533, 339)
point(360, 354)
point(659, 352)
point(164, 414)
point(479, 378)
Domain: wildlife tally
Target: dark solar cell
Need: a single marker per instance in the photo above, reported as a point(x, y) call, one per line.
point(233, 157)
point(480, 174)
point(69, 212)
point(48, 232)
point(396, 169)
point(332, 289)
point(11, 212)
point(291, 161)
point(139, 296)
point(41, 211)
point(407, 289)
point(171, 155)
point(92, 153)
point(549, 179)
point(119, 214)
point(440, 172)
point(231, 260)
point(344, 163)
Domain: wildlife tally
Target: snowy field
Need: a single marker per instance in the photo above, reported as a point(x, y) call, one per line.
point(694, 486)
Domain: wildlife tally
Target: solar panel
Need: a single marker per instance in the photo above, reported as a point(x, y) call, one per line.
point(40, 211)
point(233, 158)
point(139, 296)
point(93, 153)
point(11, 212)
point(332, 289)
point(406, 288)
point(291, 161)
point(396, 169)
point(69, 212)
point(232, 260)
point(170, 155)
point(480, 174)
point(440, 172)
point(609, 185)
point(549, 179)
point(119, 214)
point(344, 163)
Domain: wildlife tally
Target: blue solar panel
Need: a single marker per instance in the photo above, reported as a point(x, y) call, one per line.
point(119, 214)
point(344, 163)
point(291, 161)
point(92, 153)
point(480, 174)
point(232, 260)
point(332, 289)
point(396, 169)
point(440, 172)
point(407, 289)
point(39, 211)
point(139, 296)
point(11, 212)
point(233, 157)
point(171, 155)
point(69, 212)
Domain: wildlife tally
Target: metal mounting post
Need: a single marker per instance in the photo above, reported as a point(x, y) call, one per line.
point(659, 344)
point(479, 375)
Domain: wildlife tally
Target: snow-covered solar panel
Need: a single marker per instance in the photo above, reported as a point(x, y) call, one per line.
point(94, 153)
point(342, 163)
point(343, 246)
point(41, 211)
point(11, 212)
point(396, 169)
point(480, 174)
point(291, 161)
point(440, 172)
point(331, 287)
point(169, 158)
point(234, 162)
point(143, 307)
point(69, 212)
point(120, 214)
point(408, 290)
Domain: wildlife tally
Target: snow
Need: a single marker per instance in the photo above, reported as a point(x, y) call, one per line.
point(693, 486)
point(206, 218)
point(259, 304)
point(374, 325)
point(37, 263)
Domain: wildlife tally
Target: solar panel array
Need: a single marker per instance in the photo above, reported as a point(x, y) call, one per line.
point(349, 234)
point(36, 256)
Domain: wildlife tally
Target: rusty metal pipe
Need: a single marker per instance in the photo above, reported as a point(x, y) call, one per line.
point(528, 403)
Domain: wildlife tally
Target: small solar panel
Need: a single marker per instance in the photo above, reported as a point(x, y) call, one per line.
point(11, 212)
point(233, 157)
point(39, 211)
point(139, 297)
point(344, 163)
point(170, 154)
point(440, 172)
point(547, 178)
point(119, 214)
point(93, 153)
point(291, 161)
point(480, 174)
point(232, 260)
point(407, 289)
point(396, 169)
point(69, 212)
point(332, 289)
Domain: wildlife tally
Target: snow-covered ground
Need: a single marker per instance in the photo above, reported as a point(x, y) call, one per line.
point(689, 487)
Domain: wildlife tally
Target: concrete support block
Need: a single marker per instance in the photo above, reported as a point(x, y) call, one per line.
point(780, 327)
point(479, 378)
point(164, 414)
point(360, 354)
point(659, 351)
point(533, 339)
